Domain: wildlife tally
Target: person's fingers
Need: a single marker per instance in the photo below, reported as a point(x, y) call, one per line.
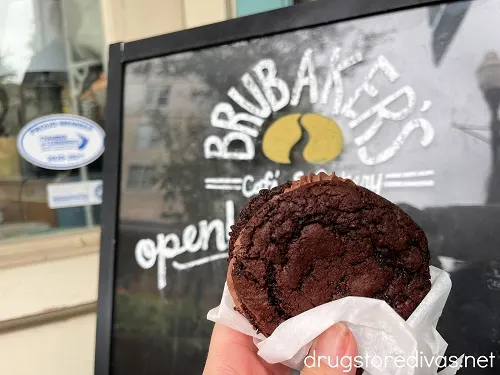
point(222, 336)
point(228, 352)
point(233, 353)
point(332, 353)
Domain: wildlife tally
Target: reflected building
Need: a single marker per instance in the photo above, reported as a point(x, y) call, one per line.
point(161, 115)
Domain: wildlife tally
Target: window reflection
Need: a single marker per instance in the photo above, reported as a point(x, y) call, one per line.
point(140, 177)
point(51, 62)
point(147, 136)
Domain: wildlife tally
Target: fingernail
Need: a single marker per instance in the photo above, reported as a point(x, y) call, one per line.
point(334, 342)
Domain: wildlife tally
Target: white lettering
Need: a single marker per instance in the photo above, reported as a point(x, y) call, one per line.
point(229, 218)
point(264, 111)
point(381, 64)
point(373, 182)
point(221, 150)
point(206, 229)
point(306, 76)
point(297, 175)
point(267, 73)
point(145, 253)
point(233, 121)
point(389, 152)
point(169, 246)
point(382, 113)
point(163, 242)
point(249, 188)
point(334, 78)
point(188, 237)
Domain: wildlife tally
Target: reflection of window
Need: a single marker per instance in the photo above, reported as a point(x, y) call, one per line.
point(147, 136)
point(163, 97)
point(150, 97)
point(156, 96)
point(140, 176)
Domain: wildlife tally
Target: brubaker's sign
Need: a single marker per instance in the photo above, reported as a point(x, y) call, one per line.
point(270, 94)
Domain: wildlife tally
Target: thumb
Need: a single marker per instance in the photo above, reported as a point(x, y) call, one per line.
point(332, 353)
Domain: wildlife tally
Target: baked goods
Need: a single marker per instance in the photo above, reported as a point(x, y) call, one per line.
point(319, 239)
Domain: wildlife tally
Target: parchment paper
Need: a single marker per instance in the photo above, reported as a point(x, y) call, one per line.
point(378, 329)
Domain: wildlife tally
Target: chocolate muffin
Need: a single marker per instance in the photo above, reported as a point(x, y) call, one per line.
point(320, 239)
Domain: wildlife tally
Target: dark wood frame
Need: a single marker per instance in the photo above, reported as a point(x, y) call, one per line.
point(254, 26)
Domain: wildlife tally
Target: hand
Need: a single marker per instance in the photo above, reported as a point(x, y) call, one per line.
point(233, 353)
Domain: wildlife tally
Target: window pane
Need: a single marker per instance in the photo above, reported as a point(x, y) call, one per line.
point(147, 137)
point(150, 97)
point(144, 136)
point(51, 62)
point(163, 98)
point(140, 176)
point(147, 177)
point(134, 176)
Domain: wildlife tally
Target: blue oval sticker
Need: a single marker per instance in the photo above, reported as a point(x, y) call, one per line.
point(61, 142)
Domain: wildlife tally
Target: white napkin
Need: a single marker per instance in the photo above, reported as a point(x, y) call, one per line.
point(378, 329)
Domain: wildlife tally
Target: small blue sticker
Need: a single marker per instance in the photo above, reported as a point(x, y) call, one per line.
point(61, 142)
point(98, 191)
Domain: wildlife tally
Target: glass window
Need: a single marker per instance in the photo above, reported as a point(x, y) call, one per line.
point(147, 137)
point(156, 96)
point(51, 62)
point(150, 97)
point(144, 136)
point(140, 177)
point(163, 97)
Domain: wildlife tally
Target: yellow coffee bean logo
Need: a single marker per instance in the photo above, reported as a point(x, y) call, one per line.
point(325, 138)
